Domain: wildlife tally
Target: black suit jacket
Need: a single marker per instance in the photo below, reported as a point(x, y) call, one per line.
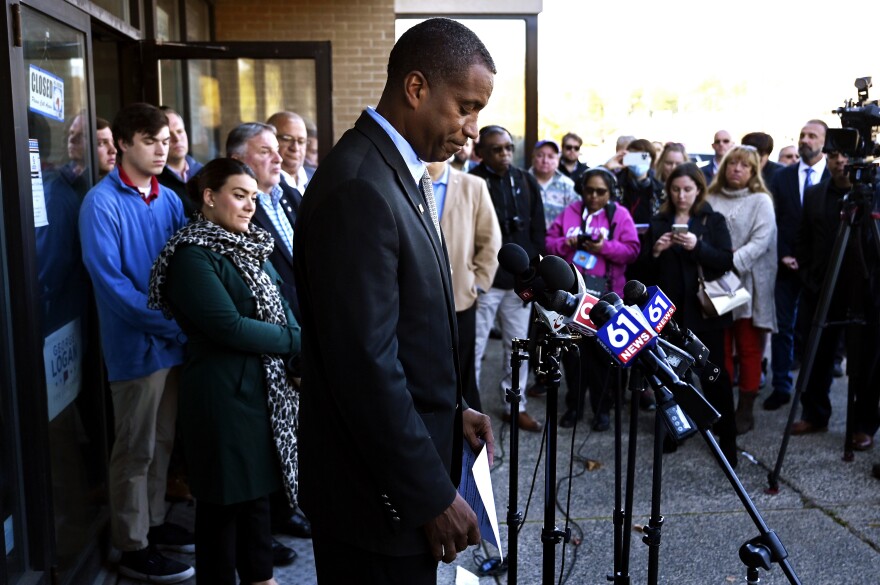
point(281, 259)
point(787, 196)
point(380, 415)
point(709, 171)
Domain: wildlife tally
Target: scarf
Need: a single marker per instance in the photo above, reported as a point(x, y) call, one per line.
point(248, 252)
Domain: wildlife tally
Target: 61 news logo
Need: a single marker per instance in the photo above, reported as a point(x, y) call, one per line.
point(625, 335)
point(658, 310)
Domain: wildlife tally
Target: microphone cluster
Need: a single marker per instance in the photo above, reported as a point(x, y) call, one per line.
point(623, 327)
point(638, 329)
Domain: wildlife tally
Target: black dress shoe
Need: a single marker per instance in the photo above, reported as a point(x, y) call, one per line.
point(297, 525)
point(776, 400)
point(282, 555)
point(569, 419)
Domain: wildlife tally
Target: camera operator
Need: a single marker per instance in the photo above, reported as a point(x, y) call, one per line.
point(517, 200)
point(856, 295)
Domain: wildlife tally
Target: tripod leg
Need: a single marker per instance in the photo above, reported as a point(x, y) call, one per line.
point(655, 524)
point(820, 319)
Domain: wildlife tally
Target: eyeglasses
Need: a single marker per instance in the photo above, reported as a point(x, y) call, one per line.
point(288, 138)
point(590, 191)
point(502, 148)
point(722, 141)
point(570, 147)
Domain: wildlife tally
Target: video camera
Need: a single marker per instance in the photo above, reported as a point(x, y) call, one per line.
point(860, 120)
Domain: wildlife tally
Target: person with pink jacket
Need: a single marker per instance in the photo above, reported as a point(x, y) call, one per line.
point(598, 236)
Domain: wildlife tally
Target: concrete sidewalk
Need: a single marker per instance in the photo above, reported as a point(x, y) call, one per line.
point(827, 513)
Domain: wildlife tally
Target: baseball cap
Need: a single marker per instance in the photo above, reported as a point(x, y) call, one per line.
point(552, 143)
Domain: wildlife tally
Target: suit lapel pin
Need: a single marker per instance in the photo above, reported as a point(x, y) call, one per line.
point(421, 209)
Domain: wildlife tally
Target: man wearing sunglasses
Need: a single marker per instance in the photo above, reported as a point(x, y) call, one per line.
point(516, 197)
point(569, 164)
point(721, 144)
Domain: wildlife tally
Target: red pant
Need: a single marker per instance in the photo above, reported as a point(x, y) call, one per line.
point(749, 342)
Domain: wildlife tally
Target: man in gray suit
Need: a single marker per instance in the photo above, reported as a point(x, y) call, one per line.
point(382, 421)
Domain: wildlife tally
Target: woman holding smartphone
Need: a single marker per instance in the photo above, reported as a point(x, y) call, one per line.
point(598, 236)
point(687, 232)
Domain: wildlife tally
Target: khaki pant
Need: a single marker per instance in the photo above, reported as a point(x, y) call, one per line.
point(145, 410)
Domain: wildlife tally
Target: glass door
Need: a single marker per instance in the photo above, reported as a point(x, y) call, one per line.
point(10, 492)
point(218, 86)
point(55, 88)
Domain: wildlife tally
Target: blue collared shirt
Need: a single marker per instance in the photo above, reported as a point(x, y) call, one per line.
point(413, 163)
point(271, 203)
point(440, 191)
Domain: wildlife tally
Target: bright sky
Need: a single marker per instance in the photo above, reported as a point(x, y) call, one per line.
point(743, 66)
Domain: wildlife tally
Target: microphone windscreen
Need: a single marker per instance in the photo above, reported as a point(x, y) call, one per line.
point(635, 293)
point(513, 259)
point(612, 299)
point(556, 273)
point(601, 313)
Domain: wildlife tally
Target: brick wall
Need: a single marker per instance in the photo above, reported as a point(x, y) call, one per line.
point(361, 33)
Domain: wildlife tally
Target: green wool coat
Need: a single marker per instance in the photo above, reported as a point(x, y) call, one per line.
point(223, 415)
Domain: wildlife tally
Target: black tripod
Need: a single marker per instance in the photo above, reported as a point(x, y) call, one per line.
point(854, 216)
point(550, 350)
point(679, 407)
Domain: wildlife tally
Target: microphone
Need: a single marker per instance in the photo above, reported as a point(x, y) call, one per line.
point(625, 337)
point(658, 310)
point(558, 274)
point(527, 283)
point(621, 332)
point(569, 297)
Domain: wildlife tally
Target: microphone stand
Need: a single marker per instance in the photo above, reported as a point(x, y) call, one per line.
point(758, 552)
point(623, 516)
point(514, 517)
point(550, 349)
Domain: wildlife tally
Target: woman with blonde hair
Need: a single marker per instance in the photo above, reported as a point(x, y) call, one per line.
point(739, 194)
point(672, 155)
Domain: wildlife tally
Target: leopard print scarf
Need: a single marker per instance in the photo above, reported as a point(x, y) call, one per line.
point(248, 252)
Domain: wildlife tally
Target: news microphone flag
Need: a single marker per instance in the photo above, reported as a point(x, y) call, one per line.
point(658, 310)
point(625, 335)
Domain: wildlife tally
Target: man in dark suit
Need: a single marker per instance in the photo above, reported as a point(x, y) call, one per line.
point(720, 144)
point(788, 187)
point(381, 416)
point(255, 145)
point(763, 142)
point(855, 296)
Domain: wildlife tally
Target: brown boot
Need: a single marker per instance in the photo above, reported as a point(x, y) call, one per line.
point(745, 420)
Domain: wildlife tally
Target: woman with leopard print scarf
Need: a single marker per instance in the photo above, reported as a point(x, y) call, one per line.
point(237, 403)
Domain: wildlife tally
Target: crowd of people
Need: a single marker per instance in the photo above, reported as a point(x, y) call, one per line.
point(307, 329)
point(661, 219)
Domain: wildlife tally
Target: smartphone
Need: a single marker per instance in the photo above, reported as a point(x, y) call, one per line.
point(636, 158)
point(679, 228)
